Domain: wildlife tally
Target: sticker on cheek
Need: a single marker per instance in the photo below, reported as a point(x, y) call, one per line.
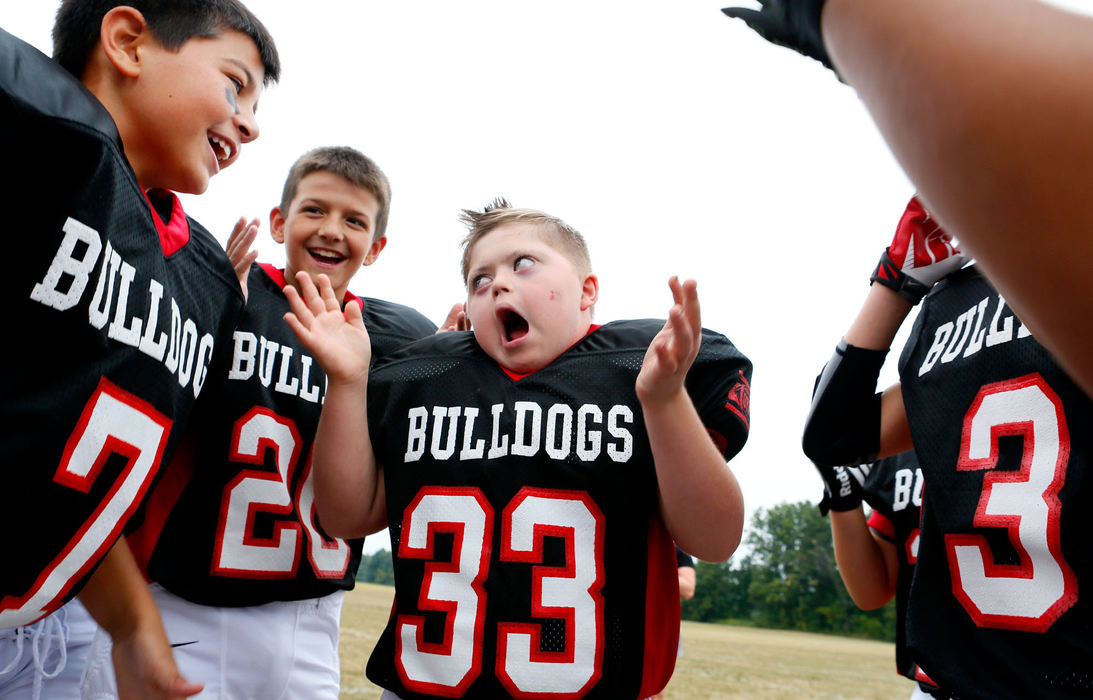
point(231, 99)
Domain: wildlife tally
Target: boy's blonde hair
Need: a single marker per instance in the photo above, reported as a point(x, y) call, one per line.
point(499, 212)
point(352, 166)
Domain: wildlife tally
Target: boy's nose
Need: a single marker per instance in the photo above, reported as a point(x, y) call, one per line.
point(247, 124)
point(329, 229)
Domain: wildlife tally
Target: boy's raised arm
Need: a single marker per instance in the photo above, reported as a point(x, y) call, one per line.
point(868, 565)
point(700, 498)
point(986, 106)
point(348, 482)
point(848, 423)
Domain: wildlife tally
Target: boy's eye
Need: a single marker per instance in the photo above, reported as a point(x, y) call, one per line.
point(357, 222)
point(523, 262)
point(479, 282)
point(237, 83)
point(311, 210)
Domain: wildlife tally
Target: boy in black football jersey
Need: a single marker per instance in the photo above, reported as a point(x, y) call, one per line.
point(876, 556)
point(241, 566)
point(534, 473)
point(123, 303)
point(994, 609)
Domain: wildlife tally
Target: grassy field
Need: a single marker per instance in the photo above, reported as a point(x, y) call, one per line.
point(718, 661)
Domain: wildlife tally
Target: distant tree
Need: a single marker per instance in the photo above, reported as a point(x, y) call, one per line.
point(721, 593)
point(377, 568)
point(787, 579)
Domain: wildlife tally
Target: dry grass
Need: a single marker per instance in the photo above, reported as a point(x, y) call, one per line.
point(718, 661)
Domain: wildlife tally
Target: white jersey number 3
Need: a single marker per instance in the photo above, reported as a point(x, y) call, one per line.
point(1033, 593)
point(570, 593)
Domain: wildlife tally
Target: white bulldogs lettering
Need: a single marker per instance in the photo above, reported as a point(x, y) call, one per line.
point(182, 348)
point(257, 357)
point(448, 432)
point(968, 334)
point(907, 489)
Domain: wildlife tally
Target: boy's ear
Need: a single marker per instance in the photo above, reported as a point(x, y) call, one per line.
point(374, 250)
point(277, 225)
point(123, 34)
point(590, 291)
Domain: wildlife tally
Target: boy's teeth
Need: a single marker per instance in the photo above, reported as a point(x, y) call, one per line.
point(222, 149)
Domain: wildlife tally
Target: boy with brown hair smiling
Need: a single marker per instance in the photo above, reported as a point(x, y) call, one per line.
point(240, 564)
point(533, 472)
point(130, 303)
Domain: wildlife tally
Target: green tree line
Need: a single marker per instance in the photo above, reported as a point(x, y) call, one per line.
point(785, 579)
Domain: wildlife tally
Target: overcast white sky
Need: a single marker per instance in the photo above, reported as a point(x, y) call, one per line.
point(676, 140)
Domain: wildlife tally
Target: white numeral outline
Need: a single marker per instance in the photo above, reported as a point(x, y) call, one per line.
point(571, 593)
point(237, 551)
point(1032, 594)
point(113, 422)
point(329, 557)
point(450, 666)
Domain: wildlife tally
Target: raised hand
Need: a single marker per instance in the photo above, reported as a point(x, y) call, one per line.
point(240, 251)
point(673, 350)
point(920, 254)
point(794, 24)
point(337, 339)
point(457, 319)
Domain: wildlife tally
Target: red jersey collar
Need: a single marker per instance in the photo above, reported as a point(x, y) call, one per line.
point(277, 274)
point(175, 234)
point(516, 376)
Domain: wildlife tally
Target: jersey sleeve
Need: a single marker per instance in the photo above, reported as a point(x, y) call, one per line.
point(683, 559)
point(390, 325)
point(720, 387)
point(881, 525)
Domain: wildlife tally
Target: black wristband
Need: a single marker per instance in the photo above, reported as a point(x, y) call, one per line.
point(887, 274)
point(842, 492)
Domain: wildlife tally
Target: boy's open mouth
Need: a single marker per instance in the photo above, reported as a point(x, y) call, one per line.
point(512, 324)
point(325, 257)
point(221, 148)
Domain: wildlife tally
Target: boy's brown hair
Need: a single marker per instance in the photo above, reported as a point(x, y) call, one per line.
point(499, 212)
point(352, 166)
point(172, 23)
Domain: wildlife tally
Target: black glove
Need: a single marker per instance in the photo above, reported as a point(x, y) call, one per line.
point(842, 487)
point(794, 24)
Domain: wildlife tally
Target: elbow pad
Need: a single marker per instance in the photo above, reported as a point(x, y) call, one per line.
point(843, 424)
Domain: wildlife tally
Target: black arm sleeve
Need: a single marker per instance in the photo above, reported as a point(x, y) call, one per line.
point(843, 424)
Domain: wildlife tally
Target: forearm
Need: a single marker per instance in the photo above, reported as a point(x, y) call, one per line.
point(700, 498)
point(348, 494)
point(861, 560)
point(847, 424)
point(117, 596)
point(878, 320)
point(686, 582)
point(982, 103)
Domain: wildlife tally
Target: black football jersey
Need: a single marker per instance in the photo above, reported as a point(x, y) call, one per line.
point(1001, 434)
point(893, 488)
point(530, 558)
point(117, 316)
point(232, 522)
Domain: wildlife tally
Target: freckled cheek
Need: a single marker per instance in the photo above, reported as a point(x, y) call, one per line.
point(553, 295)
